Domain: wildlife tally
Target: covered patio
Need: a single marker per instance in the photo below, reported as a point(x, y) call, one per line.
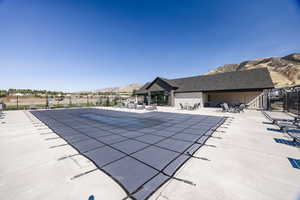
point(158, 91)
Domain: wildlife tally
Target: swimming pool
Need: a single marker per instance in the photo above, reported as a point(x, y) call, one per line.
point(139, 151)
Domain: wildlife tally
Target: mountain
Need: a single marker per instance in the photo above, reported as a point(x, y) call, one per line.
point(284, 71)
point(125, 88)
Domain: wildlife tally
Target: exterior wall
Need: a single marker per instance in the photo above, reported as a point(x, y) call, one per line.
point(189, 98)
point(215, 98)
point(171, 98)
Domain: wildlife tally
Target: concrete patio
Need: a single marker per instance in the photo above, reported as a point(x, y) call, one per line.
point(242, 161)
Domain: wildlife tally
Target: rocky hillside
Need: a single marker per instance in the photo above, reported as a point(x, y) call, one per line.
point(125, 88)
point(284, 71)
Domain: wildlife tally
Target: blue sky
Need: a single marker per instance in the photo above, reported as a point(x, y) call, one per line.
point(75, 45)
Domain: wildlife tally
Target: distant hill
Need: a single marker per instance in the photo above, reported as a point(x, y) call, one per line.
point(125, 88)
point(284, 71)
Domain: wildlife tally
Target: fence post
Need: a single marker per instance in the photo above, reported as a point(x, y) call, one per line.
point(298, 106)
point(287, 103)
point(47, 101)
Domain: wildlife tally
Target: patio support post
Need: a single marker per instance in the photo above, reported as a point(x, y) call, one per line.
point(171, 98)
point(149, 98)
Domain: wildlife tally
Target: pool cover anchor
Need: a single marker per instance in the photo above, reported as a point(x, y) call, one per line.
point(84, 173)
point(54, 138)
point(41, 129)
point(130, 196)
point(46, 133)
point(197, 157)
point(218, 131)
point(183, 180)
point(56, 146)
point(210, 145)
point(69, 156)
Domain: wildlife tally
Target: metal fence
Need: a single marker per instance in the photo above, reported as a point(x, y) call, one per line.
point(285, 99)
point(29, 102)
point(291, 102)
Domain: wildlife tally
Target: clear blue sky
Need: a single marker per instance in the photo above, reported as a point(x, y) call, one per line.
point(75, 45)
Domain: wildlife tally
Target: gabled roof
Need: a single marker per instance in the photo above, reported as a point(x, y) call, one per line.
point(166, 82)
point(143, 89)
point(238, 80)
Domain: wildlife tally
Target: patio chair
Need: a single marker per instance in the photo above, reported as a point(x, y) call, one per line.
point(152, 107)
point(195, 106)
point(240, 108)
point(226, 108)
point(140, 107)
point(131, 106)
point(1, 109)
point(181, 106)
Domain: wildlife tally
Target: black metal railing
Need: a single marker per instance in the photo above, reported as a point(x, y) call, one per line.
point(291, 102)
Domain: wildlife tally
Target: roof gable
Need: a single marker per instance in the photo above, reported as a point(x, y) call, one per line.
point(160, 84)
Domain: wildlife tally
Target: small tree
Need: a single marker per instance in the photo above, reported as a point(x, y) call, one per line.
point(107, 101)
point(115, 101)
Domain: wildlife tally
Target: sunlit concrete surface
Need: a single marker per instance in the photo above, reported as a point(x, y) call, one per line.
point(242, 161)
point(30, 169)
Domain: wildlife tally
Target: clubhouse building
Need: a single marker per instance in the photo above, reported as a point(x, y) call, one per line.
point(249, 87)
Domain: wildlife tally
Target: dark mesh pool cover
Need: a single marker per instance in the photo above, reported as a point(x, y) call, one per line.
point(139, 151)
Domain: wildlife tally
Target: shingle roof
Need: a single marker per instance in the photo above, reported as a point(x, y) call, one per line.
point(143, 90)
point(238, 80)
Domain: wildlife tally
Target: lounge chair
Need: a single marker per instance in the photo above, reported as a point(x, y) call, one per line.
point(294, 136)
point(287, 125)
point(276, 121)
point(293, 132)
